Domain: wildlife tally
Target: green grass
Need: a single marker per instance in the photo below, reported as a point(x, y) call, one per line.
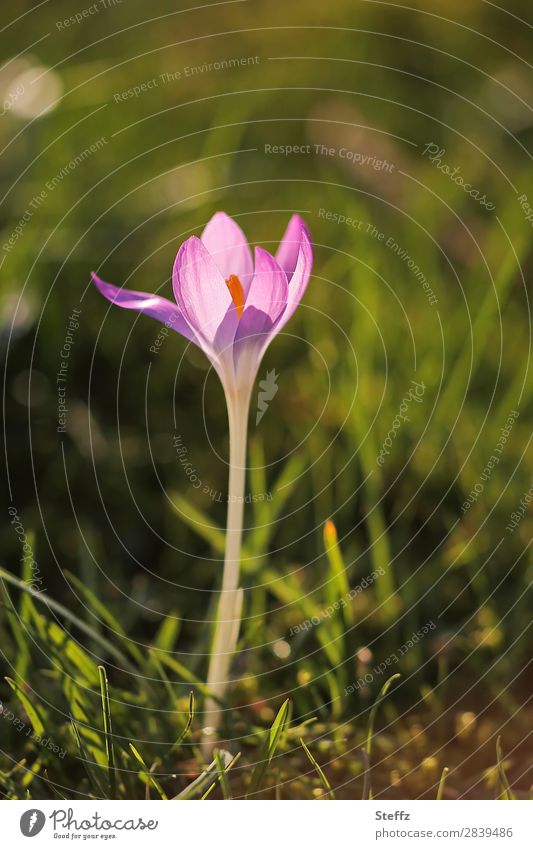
point(104, 649)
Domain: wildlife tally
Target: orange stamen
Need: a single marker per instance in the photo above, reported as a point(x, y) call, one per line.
point(237, 293)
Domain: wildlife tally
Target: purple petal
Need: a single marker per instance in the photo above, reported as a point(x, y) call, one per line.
point(300, 276)
point(266, 299)
point(204, 298)
point(290, 245)
point(160, 308)
point(229, 248)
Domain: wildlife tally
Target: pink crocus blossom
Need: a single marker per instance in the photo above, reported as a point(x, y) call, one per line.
point(225, 302)
point(231, 305)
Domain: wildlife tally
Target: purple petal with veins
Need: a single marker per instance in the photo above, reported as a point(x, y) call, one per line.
point(160, 308)
point(266, 301)
point(203, 297)
point(229, 248)
point(290, 245)
point(301, 273)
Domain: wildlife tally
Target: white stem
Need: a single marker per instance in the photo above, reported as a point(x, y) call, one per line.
point(229, 607)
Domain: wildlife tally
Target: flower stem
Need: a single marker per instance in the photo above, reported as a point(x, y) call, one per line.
point(229, 609)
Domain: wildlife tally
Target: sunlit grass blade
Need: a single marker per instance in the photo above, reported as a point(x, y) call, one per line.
point(259, 537)
point(199, 522)
point(375, 707)
point(158, 666)
point(208, 791)
point(25, 607)
point(19, 632)
point(146, 775)
point(505, 788)
point(257, 540)
point(58, 608)
point(268, 749)
point(319, 770)
point(339, 582)
point(186, 676)
point(100, 610)
point(69, 652)
point(442, 783)
point(372, 718)
point(81, 711)
point(188, 724)
point(29, 776)
point(108, 733)
point(10, 778)
point(222, 771)
point(167, 635)
point(205, 779)
point(30, 709)
point(89, 766)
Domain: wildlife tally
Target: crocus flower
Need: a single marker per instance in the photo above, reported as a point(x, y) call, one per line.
point(231, 306)
point(227, 304)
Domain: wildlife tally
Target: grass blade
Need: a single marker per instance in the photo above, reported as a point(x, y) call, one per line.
point(222, 770)
point(382, 694)
point(108, 731)
point(269, 747)
point(146, 776)
point(505, 792)
point(371, 720)
point(208, 791)
point(30, 709)
point(199, 522)
point(442, 782)
point(188, 724)
point(68, 615)
point(338, 568)
point(101, 611)
point(321, 775)
point(205, 779)
point(186, 676)
point(88, 765)
point(367, 792)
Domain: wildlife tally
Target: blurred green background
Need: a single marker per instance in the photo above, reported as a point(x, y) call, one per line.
point(122, 133)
